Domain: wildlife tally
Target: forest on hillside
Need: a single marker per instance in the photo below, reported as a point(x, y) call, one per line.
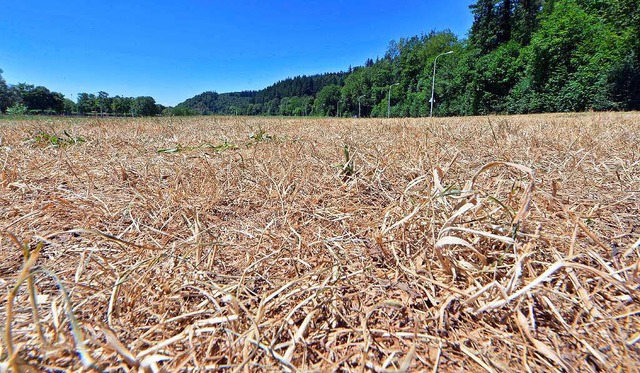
point(293, 96)
point(520, 56)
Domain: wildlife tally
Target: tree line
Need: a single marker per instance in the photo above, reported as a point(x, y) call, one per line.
point(292, 96)
point(26, 98)
point(102, 104)
point(521, 56)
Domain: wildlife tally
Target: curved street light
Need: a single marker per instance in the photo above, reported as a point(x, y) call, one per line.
point(433, 81)
point(389, 100)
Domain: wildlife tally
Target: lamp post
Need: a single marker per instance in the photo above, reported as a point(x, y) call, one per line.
point(433, 81)
point(359, 98)
point(389, 100)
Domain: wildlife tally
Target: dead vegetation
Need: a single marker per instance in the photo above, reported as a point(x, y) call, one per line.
point(255, 244)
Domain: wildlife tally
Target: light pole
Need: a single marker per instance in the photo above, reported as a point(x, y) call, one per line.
point(359, 98)
point(389, 100)
point(433, 82)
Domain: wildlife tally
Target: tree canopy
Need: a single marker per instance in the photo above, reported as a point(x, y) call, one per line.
point(33, 99)
point(29, 99)
point(292, 96)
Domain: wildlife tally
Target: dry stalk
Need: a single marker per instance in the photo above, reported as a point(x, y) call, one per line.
point(204, 244)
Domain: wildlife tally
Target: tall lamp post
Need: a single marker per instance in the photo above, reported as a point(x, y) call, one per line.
point(359, 98)
point(389, 100)
point(433, 81)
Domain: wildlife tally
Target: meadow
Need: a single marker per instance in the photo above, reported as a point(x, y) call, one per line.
point(499, 244)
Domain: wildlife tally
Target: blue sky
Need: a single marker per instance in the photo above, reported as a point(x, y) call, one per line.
point(173, 50)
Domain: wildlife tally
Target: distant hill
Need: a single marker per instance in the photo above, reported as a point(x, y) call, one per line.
point(218, 103)
point(299, 86)
point(299, 90)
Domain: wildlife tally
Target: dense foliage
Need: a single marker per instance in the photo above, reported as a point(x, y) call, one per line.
point(25, 98)
point(216, 103)
point(521, 56)
point(103, 104)
point(293, 96)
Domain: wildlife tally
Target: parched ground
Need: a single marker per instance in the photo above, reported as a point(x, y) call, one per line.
point(260, 244)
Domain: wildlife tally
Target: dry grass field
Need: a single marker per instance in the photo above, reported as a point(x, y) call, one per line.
point(499, 244)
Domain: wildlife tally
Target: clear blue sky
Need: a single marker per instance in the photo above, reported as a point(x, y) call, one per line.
point(173, 50)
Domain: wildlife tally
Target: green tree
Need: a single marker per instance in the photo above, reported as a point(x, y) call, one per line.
point(484, 29)
point(103, 101)
point(22, 89)
point(382, 74)
point(145, 106)
point(181, 111)
point(40, 99)
point(573, 54)
point(70, 107)
point(525, 20)
point(17, 109)
point(121, 105)
point(624, 80)
point(357, 89)
point(6, 98)
point(272, 107)
point(416, 71)
point(86, 103)
point(495, 76)
point(326, 102)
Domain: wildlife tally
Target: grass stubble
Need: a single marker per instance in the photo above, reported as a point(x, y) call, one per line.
point(493, 244)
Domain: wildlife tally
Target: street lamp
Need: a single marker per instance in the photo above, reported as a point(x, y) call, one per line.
point(433, 82)
point(359, 98)
point(389, 100)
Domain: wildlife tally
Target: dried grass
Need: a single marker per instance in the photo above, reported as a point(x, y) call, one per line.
point(258, 244)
